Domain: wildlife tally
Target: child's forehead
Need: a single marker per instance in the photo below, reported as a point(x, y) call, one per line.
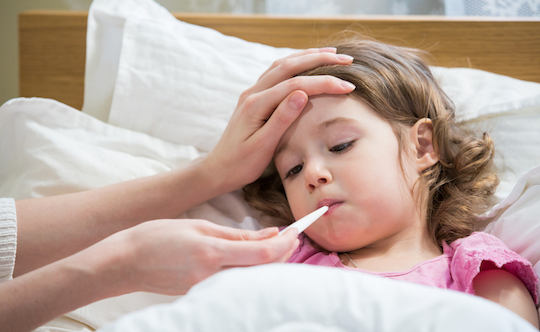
point(324, 112)
point(317, 114)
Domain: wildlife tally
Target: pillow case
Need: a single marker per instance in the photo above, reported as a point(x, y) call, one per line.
point(506, 108)
point(181, 82)
point(104, 35)
point(49, 148)
point(516, 221)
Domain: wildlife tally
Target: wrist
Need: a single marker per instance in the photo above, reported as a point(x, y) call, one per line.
point(213, 178)
point(105, 266)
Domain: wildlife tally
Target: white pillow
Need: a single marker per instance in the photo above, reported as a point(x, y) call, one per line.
point(104, 35)
point(477, 93)
point(506, 108)
point(181, 82)
point(50, 148)
point(516, 220)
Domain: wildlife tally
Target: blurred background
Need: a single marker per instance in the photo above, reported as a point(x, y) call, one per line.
point(9, 10)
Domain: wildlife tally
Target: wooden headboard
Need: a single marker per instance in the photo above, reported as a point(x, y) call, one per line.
point(52, 44)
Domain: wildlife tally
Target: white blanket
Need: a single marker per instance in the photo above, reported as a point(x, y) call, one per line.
point(286, 298)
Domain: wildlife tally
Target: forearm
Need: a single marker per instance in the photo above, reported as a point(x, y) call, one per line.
point(37, 297)
point(52, 228)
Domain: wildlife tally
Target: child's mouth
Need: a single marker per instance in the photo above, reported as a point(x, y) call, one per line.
point(332, 205)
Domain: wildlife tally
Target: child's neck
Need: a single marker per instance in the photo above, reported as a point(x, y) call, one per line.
point(393, 255)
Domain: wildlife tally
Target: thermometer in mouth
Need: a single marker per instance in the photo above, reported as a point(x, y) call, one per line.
point(303, 223)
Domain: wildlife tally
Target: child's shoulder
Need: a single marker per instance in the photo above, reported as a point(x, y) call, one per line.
point(480, 247)
point(470, 254)
point(478, 241)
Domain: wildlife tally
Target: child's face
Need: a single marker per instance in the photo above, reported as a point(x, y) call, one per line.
point(340, 153)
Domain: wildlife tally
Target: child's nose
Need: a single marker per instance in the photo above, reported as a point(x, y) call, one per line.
point(316, 174)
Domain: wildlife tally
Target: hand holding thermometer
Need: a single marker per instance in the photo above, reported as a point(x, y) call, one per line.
point(303, 223)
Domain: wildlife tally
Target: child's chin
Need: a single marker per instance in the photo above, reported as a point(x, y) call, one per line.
point(336, 246)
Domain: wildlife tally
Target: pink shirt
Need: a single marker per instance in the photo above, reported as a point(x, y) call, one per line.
point(454, 269)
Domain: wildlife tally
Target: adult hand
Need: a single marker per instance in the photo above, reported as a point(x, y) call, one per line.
point(266, 110)
point(165, 256)
point(170, 256)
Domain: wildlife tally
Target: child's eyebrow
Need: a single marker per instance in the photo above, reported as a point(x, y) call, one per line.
point(280, 149)
point(320, 128)
point(339, 120)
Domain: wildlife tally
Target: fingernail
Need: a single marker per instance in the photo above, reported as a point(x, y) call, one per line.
point(328, 49)
point(297, 101)
point(344, 57)
point(348, 85)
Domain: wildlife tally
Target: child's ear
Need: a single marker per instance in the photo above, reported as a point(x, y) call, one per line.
point(426, 151)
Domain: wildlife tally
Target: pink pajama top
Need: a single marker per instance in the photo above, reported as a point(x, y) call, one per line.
point(454, 269)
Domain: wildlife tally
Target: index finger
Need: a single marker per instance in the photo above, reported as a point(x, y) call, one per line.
point(290, 67)
point(298, 54)
point(237, 234)
point(248, 253)
point(267, 101)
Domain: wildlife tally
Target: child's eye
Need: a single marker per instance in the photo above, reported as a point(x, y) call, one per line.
point(295, 170)
point(341, 147)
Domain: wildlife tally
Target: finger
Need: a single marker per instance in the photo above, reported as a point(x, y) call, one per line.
point(281, 106)
point(236, 234)
point(248, 253)
point(289, 67)
point(284, 115)
point(298, 54)
point(285, 258)
point(282, 259)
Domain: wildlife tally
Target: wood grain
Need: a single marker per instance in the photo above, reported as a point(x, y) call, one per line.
point(52, 48)
point(53, 43)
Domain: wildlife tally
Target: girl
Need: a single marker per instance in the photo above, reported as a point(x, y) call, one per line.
point(403, 182)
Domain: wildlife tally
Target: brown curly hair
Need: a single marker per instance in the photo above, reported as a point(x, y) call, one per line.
point(398, 84)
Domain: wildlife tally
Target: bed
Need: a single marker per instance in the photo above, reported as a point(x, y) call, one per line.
point(129, 90)
point(490, 44)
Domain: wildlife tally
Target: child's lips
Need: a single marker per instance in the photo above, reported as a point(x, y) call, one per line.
point(331, 203)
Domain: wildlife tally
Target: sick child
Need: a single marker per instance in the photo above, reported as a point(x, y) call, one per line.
point(403, 182)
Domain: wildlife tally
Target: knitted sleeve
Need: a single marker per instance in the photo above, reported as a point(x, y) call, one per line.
point(8, 238)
